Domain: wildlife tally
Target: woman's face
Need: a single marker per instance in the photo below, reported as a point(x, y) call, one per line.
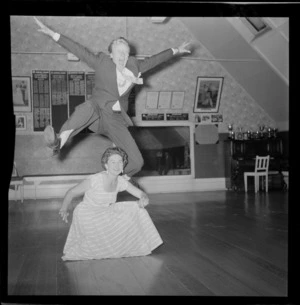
point(115, 164)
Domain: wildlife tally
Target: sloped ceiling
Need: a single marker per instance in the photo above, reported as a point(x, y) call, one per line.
point(260, 66)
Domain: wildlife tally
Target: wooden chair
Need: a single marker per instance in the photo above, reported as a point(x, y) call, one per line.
point(261, 170)
point(17, 183)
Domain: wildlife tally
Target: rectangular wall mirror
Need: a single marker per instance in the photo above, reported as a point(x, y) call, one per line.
point(166, 150)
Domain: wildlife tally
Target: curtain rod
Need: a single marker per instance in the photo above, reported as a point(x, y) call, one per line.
point(144, 56)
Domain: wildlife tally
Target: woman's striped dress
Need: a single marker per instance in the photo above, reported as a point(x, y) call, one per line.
point(104, 228)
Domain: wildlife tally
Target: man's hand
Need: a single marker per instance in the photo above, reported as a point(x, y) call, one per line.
point(44, 29)
point(183, 48)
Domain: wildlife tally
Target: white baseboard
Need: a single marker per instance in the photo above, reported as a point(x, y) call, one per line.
point(180, 184)
point(148, 184)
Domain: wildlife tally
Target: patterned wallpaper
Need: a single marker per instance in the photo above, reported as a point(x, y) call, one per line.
point(32, 50)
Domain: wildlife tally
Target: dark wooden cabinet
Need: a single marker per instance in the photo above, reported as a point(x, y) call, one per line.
point(242, 155)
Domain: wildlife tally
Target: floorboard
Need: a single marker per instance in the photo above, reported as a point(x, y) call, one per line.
point(215, 244)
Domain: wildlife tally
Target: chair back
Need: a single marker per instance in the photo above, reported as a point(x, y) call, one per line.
point(262, 164)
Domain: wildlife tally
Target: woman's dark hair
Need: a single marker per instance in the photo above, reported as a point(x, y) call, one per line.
point(120, 39)
point(114, 151)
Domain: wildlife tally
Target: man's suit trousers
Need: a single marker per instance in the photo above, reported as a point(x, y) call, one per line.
point(110, 124)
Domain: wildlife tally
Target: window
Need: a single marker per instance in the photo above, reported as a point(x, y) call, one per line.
point(257, 23)
point(165, 149)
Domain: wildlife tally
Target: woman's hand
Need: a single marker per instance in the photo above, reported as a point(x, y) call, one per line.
point(44, 29)
point(63, 212)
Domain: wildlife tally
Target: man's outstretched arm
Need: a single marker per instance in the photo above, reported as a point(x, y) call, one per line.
point(163, 56)
point(75, 48)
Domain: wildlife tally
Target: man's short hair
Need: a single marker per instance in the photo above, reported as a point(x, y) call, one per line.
point(117, 40)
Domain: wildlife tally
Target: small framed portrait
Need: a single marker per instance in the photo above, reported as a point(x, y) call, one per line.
point(216, 118)
point(20, 122)
point(208, 94)
point(21, 93)
point(197, 118)
point(206, 118)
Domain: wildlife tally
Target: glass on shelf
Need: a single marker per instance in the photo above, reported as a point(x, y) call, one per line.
point(256, 135)
point(230, 131)
point(270, 133)
point(240, 135)
point(249, 134)
point(261, 131)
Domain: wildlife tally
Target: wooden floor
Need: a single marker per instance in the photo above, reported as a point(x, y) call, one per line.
point(215, 244)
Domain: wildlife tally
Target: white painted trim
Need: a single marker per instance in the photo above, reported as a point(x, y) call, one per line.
point(242, 26)
point(138, 123)
point(177, 184)
point(277, 71)
point(172, 184)
point(157, 19)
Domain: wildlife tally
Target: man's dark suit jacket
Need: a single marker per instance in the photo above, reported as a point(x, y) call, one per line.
point(105, 92)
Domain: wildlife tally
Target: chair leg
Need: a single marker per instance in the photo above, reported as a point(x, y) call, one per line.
point(22, 193)
point(16, 189)
point(256, 183)
point(261, 183)
point(245, 183)
point(267, 183)
point(19, 191)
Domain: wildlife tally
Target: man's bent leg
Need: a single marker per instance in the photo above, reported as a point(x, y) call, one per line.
point(82, 117)
point(121, 137)
point(64, 136)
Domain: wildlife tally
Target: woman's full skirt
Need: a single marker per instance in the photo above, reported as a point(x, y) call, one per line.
point(122, 229)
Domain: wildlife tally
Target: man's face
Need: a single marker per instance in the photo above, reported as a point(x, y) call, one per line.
point(120, 54)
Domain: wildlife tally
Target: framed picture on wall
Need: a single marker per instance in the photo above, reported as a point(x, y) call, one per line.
point(206, 118)
point(152, 99)
point(21, 93)
point(164, 99)
point(208, 94)
point(216, 118)
point(20, 122)
point(177, 100)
